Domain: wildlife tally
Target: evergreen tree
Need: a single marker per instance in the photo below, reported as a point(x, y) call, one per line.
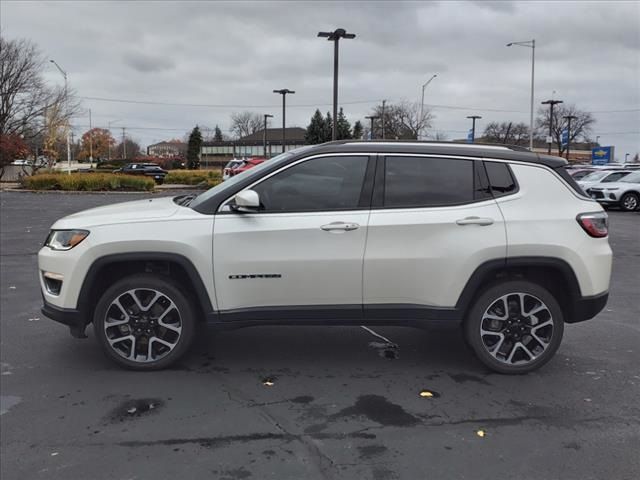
point(328, 127)
point(344, 127)
point(217, 135)
point(193, 149)
point(357, 130)
point(315, 130)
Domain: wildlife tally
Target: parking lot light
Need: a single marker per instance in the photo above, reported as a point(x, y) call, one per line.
point(532, 45)
point(335, 37)
point(283, 92)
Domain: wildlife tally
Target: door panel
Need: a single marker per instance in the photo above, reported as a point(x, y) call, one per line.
point(296, 261)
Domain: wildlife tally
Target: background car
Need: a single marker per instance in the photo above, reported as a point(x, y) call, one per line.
point(624, 193)
point(147, 169)
point(580, 173)
point(606, 176)
point(244, 165)
point(233, 163)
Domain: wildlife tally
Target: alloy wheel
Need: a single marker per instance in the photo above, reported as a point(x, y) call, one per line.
point(143, 325)
point(517, 328)
point(630, 202)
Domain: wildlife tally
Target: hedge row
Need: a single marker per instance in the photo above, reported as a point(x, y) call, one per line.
point(206, 178)
point(90, 182)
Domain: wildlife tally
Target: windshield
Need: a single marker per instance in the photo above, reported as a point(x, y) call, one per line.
point(595, 176)
point(632, 178)
point(229, 184)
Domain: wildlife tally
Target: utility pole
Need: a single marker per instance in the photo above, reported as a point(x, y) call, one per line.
point(66, 99)
point(372, 118)
point(124, 144)
point(109, 142)
point(551, 103)
point(90, 140)
point(283, 92)
point(335, 37)
point(383, 102)
point(569, 118)
point(422, 103)
point(264, 133)
point(473, 126)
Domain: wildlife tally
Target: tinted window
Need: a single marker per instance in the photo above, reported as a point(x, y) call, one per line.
point(500, 179)
point(426, 182)
point(614, 177)
point(327, 183)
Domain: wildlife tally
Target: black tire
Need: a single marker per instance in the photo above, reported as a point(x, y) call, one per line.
point(630, 202)
point(141, 283)
point(491, 298)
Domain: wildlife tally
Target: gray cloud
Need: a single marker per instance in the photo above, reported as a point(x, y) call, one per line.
point(238, 52)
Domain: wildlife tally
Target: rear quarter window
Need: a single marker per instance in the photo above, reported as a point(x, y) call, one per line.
point(501, 179)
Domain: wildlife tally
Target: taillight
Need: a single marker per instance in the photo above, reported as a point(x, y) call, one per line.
point(595, 224)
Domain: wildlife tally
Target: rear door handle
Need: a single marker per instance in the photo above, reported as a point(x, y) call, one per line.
point(475, 221)
point(340, 227)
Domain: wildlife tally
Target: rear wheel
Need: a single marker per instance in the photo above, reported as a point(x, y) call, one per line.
point(629, 202)
point(144, 322)
point(515, 327)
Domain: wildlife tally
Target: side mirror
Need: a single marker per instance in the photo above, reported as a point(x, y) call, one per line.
point(246, 201)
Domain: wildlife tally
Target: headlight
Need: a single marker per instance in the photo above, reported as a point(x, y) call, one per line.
point(65, 239)
point(612, 189)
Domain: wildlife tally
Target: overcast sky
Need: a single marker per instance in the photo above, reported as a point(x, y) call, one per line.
point(230, 56)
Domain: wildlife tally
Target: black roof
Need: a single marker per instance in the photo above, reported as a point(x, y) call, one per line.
point(501, 152)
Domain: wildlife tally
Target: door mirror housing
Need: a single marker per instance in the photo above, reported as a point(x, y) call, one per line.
point(246, 201)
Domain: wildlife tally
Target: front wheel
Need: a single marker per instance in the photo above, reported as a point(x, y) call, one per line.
point(629, 202)
point(515, 327)
point(144, 322)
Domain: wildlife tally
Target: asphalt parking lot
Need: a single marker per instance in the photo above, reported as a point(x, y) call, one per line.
point(336, 408)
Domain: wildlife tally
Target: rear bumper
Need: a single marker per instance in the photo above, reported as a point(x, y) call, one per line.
point(588, 307)
point(67, 316)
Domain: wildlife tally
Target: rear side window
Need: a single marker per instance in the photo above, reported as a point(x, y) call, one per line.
point(501, 180)
point(427, 182)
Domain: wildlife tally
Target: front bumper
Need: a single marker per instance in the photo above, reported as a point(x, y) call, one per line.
point(70, 317)
point(588, 307)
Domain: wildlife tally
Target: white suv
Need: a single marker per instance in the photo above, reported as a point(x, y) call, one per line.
point(494, 239)
point(624, 193)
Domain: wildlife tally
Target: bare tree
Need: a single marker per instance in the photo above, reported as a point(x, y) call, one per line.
point(506, 133)
point(245, 123)
point(403, 121)
point(580, 126)
point(439, 136)
point(28, 107)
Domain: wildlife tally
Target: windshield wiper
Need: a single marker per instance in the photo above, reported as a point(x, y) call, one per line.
point(184, 200)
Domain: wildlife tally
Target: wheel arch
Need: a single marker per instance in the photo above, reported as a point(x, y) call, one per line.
point(552, 273)
point(106, 269)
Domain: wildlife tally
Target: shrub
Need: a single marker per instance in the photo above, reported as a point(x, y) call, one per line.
point(90, 182)
point(208, 178)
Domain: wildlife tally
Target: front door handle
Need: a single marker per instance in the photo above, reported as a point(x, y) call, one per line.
point(339, 227)
point(475, 221)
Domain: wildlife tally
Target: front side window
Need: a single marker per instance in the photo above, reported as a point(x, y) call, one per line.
point(428, 182)
point(326, 183)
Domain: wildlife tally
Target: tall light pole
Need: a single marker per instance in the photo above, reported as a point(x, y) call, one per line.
point(335, 37)
point(90, 141)
point(532, 45)
point(283, 92)
point(66, 92)
point(264, 133)
point(551, 103)
point(626, 156)
point(597, 137)
point(569, 118)
point(422, 102)
point(372, 118)
point(473, 126)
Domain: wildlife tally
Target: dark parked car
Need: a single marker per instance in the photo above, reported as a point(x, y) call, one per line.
point(147, 169)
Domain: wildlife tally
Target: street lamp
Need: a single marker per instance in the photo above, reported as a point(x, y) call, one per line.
point(264, 133)
point(569, 118)
point(597, 137)
point(473, 126)
point(422, 101)
point(532, 45)
point(283, 92)
point(626, 155)
point(335, 37)
point(551, 103)
point(66, 92)
point(372, 118)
